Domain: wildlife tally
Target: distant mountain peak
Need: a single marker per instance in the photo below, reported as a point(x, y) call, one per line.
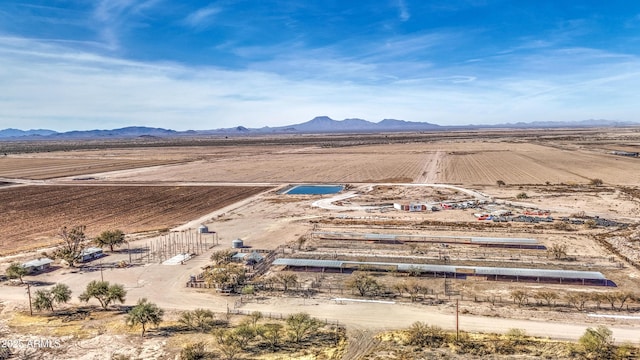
point(319, 124)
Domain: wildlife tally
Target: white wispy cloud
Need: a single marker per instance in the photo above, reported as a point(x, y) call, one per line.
point(202, 17)
point(52, 85)
point(112, 17)
point(403, 10)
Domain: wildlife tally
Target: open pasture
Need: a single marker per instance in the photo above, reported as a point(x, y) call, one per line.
point(32, 215)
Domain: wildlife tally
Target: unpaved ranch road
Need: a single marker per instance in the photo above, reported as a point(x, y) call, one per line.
point(379, 317)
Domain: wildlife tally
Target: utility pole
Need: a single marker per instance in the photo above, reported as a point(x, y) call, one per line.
point(29, 292)
point(129, 251)
point(457, 321)
point(101, 276)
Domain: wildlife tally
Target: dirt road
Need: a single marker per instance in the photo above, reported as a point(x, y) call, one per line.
point(378, 317)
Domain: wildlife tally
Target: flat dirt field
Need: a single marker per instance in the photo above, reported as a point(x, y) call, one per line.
point(534, 164)
point(48, 168)
point(466, 161)
point(32, 215)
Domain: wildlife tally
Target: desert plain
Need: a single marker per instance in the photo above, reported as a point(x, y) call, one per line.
point(161, 191)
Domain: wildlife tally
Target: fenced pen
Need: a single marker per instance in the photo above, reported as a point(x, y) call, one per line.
point(252, 271)
point(174, 243)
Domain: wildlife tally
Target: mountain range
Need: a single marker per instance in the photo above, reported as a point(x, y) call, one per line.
point(320, 124)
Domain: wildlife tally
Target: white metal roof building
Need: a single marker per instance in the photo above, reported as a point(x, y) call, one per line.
point(522, 243)
point(38, 264)
point(460, 272)
point(91, 253)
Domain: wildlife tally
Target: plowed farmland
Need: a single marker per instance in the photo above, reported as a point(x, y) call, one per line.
point(32, 215)
point(535, 164)
point(48, 168)
point(309, 166)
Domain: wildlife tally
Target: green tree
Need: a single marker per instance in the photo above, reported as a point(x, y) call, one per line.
point(558, 251)
point(287, 280)
point(227, 344)
point(598, 342)
point(201, 320)
point(300, 325)
point(44, 299)
point(144, 313)
point(520, 297)
point(400, 288)
point(61, 293)
point(73, 241)
point(104, 293)
point(248, 290)
point(624, 296)
point(414, 288)
point(110, 238)
point(364, 283)
point(611, 298)
point(221, 257)
point(244, 333)
point(500, 183)
point(255, 317)
point(597, 298)
point(549, 297)
point(578, 300)
point(16, 271)
point(225, 276)
point(271, 333)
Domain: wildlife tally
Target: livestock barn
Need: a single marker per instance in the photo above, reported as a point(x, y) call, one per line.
point(573, 277)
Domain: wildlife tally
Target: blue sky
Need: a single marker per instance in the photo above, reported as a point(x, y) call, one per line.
point(79, 64)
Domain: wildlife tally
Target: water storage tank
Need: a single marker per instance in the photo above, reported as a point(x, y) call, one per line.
point(237, 244)
point(203, 229)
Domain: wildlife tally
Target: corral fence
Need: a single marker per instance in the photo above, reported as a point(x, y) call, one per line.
point(253, 271)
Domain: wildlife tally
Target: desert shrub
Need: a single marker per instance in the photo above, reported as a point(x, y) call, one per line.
point(596, 182)
point(195, 351)
point(522, 195)
point(516, 334)
point(421, 334)
point(597, 343)
point(590, 224)
point(562, 226)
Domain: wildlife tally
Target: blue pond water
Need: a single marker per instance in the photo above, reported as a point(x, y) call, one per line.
point(314, 189)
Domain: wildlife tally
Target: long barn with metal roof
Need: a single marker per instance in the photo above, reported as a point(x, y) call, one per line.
point(520, 243)
point(460, 272)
